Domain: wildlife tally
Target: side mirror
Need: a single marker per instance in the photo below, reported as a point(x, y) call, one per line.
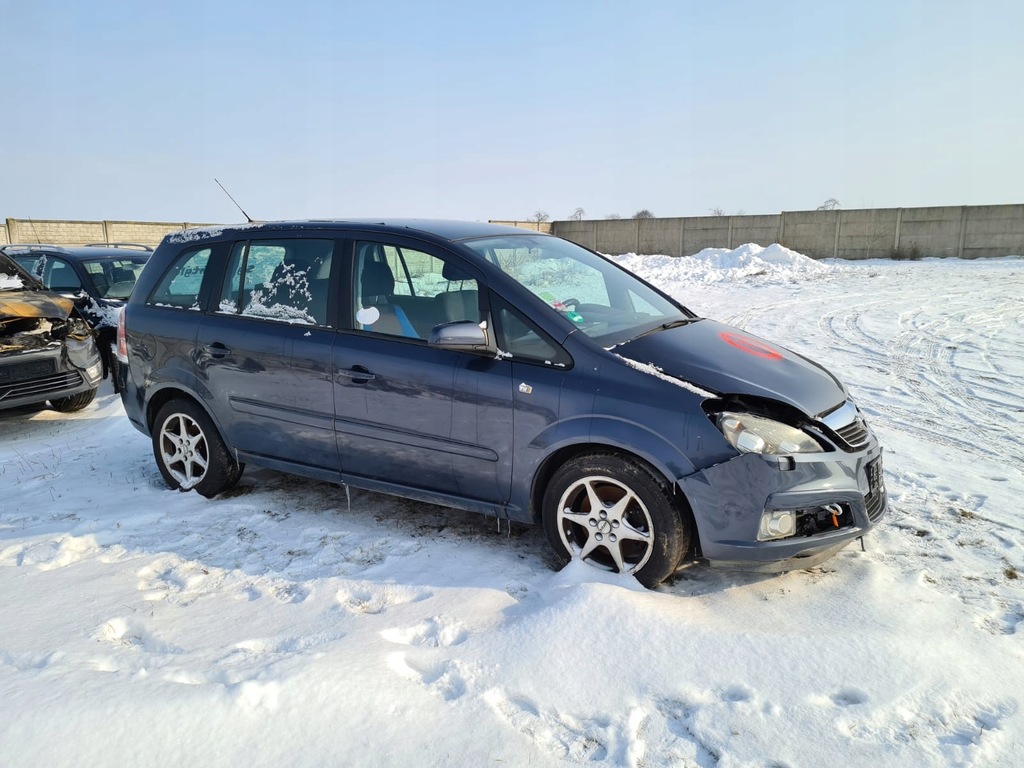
point(464, 336)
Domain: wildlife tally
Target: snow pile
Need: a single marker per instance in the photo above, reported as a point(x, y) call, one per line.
point(774, 265)
point(10, 282)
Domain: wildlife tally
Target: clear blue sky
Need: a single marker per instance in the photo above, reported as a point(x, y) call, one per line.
point(482, 110)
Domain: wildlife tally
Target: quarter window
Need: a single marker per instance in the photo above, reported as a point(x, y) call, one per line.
point(523, 340)
point(180, 286)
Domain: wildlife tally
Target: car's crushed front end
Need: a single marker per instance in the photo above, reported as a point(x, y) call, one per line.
point(47, 350)
point(785, 505)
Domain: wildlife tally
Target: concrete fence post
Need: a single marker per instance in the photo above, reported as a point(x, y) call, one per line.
point(729, 236)
point(899, 223)
point(835, 245)
point(12, 231)
point(594, 246)
point(682, 229)
point(637, 249)
point(106, 232)
point(963, 231)
point(782, 228)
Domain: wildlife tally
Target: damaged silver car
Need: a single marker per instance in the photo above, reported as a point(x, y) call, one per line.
point(47, 349)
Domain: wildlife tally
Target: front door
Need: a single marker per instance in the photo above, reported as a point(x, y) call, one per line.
point(408, 414)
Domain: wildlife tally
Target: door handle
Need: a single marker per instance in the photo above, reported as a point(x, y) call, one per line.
point(216, 349)
point(357, 373)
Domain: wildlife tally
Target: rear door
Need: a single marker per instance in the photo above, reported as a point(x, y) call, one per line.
point(264, 352)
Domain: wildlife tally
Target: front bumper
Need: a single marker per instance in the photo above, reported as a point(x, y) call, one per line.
point(56, 370)
point(729, 499)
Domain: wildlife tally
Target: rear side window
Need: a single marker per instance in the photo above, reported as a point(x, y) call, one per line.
point(180, 285)
point(283, 280)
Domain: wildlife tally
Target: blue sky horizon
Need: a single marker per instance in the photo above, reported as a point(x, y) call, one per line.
point(476, 111)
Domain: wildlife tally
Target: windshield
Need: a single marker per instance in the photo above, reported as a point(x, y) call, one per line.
point(602, 300)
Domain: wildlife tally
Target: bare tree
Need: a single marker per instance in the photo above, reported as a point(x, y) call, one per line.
point(612, 216)
point(577, 215)
point(829, 205)
point(539, 216)
point(643, 213)
point(717, 211)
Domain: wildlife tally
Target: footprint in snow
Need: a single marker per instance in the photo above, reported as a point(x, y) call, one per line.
point(434, 632)
point(563, 736)
point(372, 600)
point(445, 679)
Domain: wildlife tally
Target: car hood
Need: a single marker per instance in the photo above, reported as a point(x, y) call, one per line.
point(29, 304)
point(726, 360)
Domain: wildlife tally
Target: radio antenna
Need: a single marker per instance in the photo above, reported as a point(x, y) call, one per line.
point(247, 217)
point(35, 234)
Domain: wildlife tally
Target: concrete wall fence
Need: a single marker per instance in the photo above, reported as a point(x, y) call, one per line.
point(56, 232)
point(966, 231)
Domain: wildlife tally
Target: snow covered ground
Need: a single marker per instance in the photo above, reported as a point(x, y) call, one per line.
point(276, 626)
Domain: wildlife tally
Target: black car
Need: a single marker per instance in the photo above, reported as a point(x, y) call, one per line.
point(47, 349)
point(98, 278)
point(497, 370)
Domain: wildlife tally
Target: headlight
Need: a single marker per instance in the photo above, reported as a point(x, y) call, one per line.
point(755, 434)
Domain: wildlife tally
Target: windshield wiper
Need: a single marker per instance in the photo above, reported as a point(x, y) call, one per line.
point(667, 326)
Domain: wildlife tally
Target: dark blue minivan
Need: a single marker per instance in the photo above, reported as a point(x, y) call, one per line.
point(498, 370)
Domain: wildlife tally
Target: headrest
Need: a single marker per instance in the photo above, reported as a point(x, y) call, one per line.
point(377, 279)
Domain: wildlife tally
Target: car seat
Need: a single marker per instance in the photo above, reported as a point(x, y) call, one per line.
point(377, 284)
point(462, 303)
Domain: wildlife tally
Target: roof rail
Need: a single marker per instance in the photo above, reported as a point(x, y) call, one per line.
point(134, 246)
point(33, 247)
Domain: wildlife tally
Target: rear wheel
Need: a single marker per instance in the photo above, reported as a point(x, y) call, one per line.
point(190, 452)
point(615, 513)
point(74, 402)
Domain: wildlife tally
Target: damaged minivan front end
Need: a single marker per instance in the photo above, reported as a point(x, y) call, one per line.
point(798, 472)
point(47, 350)
point(797, 490)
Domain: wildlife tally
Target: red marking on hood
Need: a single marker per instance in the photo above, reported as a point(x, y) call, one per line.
point(751, 346)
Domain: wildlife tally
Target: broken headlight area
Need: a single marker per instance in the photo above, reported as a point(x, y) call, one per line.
point(807, 521)
point(759, 428)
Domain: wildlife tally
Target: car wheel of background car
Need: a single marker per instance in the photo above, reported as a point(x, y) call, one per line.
point(114, 373)
point(190, 452)
point(617, 514)
point(74, 402)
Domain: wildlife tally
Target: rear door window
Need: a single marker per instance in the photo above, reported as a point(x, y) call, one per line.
point(282, 280)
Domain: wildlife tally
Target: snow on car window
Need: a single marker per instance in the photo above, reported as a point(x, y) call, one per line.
point(284, 280)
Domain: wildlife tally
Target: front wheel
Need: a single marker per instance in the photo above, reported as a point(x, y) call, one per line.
point(74, 402)
point(615, 513)
point(190, 452)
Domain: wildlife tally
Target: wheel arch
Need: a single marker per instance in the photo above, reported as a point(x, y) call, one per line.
point(547, 468)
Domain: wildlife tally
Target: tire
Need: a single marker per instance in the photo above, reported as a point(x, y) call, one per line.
point(74, 402)
point(637, 526)
point(115, 372)
point(190, 452)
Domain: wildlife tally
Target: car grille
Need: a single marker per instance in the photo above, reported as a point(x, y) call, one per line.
point(19, 372)
point(41, 386)
point(875, 500)
point(854, 434)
